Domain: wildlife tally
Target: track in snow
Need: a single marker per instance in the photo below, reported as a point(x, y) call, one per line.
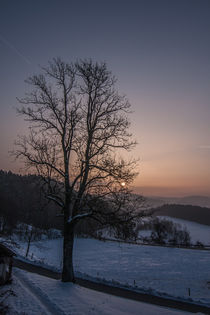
point(124, 293)
point(39, 296)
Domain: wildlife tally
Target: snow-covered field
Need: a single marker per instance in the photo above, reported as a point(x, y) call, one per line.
point(198, 232)
point(36, 294)
point(157, 270)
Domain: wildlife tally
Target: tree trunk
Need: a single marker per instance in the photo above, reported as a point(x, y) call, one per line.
point(68, 243)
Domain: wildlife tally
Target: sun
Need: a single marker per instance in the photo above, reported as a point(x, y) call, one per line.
point(123, 184)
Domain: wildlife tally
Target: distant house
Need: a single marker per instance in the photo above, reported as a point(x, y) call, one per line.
point(6, 261)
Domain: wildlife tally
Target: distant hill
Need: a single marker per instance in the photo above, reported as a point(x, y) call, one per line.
point(186, 212)
point(201, 201)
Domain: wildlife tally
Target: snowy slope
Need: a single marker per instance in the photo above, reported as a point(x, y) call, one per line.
point(36, 294)
point(198, 232)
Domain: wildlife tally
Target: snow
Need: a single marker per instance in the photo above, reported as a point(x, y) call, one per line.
point(198, 232)
point(79, 216)
point(36, 294)
point(155, 270)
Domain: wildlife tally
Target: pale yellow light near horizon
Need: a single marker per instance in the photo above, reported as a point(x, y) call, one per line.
point(179, 174)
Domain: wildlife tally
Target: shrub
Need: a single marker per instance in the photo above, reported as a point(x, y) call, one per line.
point(165, 231)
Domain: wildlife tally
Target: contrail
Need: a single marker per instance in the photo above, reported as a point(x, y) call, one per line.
point(12, 47)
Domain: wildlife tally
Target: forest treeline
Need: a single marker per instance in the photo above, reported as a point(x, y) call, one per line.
point(23, 200)
point(186, 212)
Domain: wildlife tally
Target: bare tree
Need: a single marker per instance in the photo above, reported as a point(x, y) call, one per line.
point(78, 130)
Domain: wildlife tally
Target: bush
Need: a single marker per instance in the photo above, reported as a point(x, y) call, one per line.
point(199, 244)
point(165, 231)
point(125, 232)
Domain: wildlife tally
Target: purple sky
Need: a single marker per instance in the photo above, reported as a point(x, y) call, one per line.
point(158, 49)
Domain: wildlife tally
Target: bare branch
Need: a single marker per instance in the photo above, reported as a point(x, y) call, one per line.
point(78, 128)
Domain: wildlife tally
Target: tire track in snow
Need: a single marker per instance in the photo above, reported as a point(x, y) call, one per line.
point(117, 291)
point(40, 297)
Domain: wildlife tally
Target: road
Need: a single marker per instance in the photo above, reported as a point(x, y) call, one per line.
point(120, 292)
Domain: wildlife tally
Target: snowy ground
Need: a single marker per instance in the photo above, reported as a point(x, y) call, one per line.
point(198, 232)
point(36, 294)
point(157, 270)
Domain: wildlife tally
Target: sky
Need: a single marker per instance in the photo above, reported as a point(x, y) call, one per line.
point(159, 51)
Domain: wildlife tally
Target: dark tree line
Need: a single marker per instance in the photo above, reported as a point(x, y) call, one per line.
point(22, 200)
point(187, 212)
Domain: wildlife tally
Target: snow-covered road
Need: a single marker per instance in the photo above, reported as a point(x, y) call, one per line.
point(37, 294)
point(105, 288)
point(40, 298)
